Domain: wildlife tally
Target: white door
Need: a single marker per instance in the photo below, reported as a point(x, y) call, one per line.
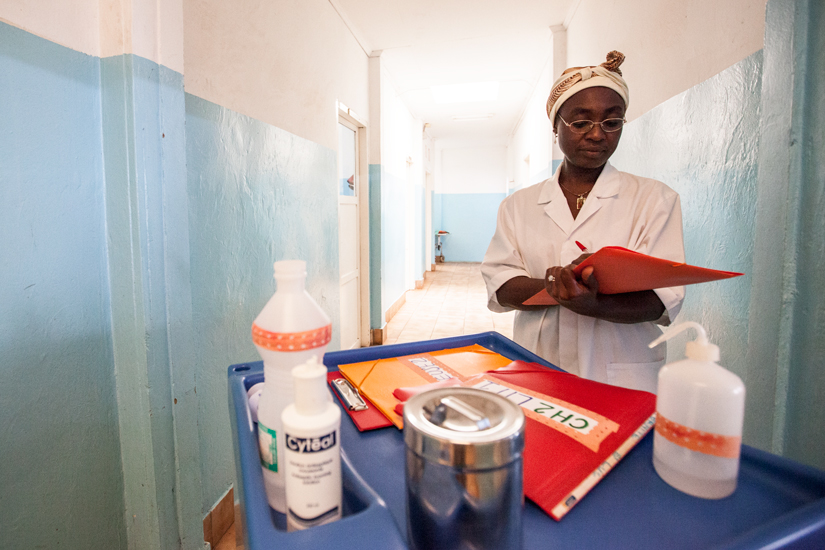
point(349, 259)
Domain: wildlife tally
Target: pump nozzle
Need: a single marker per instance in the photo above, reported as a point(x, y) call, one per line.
point(699, 349)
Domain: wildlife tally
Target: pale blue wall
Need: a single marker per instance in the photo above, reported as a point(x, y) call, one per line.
point(257, 194)
point(471, 220)
point(435, 202)
point(787, 320)
point(420, 251)
point(376, 279)
point(393, 238)
point(806, 379)
point(101, 197)
point(704, 144)
point(746, 151)
point(438, 212)
point(60, 468)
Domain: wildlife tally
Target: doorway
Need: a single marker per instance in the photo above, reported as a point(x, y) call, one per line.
point(353, 238)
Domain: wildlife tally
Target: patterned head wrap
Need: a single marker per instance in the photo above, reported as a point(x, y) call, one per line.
point(576, 79)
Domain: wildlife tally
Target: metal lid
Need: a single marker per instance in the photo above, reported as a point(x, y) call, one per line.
point(464, 428)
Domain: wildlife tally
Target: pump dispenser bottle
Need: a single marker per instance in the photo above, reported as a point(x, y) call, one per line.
point(290, 329)
point(700, 408)
point(312, 458)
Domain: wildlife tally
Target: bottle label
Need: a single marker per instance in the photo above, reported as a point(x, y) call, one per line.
point(268, 445)
point(291, 341)
point(313, 479)
point(310, 444)
point(725, 446)
point(585, 426)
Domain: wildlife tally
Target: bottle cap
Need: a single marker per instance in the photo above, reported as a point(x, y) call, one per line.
point(699, 349)
point(310, 383)
point(290, 268)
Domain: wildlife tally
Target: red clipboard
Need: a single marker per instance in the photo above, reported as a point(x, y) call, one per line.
point(370, 419)
point(619, 270)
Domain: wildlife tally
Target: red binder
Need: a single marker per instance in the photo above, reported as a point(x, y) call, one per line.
point(576, 430)
point(621, 270)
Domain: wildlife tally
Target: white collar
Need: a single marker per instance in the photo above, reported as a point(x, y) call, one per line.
point(555, 203)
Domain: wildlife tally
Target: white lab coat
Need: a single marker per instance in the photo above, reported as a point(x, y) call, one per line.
point(535, 230)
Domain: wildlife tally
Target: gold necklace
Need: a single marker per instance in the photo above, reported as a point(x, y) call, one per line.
point(579, 198)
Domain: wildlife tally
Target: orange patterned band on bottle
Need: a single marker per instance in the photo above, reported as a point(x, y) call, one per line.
point(725, 446)
point(291, 341)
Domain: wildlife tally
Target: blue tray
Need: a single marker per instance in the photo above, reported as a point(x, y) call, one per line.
point(778, 503)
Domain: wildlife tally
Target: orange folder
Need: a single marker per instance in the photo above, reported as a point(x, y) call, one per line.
point(378, 379)
point(621, 270)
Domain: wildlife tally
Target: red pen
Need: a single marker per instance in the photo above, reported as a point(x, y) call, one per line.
point(583, 248)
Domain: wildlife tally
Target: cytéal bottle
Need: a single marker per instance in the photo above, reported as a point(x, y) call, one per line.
point(290, 330)
point(312, 460)
point(700, 408)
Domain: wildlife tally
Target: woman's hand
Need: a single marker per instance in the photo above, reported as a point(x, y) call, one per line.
point(581, 295)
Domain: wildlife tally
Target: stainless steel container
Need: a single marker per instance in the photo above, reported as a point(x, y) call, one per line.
point(463, 470)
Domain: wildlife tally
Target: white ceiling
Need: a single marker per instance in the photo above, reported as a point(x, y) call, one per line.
point(437, 42)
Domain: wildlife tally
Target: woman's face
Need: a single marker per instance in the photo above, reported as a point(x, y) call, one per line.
point(590, 150)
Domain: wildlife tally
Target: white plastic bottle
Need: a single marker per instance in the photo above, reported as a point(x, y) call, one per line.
point(290, 329)
point(312, 460)
point(700, 409)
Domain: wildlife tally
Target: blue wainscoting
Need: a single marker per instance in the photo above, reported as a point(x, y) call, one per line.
point(59, 448)
point(257, 194)
point(471, 220)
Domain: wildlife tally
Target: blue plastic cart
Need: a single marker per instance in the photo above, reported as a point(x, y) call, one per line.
point(777, 504)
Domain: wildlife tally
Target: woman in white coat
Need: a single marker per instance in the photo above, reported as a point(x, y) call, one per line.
point(598, 336)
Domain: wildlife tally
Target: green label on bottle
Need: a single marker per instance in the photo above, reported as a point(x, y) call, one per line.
point(268, 445)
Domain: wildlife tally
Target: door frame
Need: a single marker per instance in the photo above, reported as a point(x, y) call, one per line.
point(349, 118)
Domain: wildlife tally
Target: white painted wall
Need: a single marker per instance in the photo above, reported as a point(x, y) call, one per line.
point(104, 28)
point(70, 23)
point(532, 138)
point(671, 45)
point(283, 63)
point(474, 170)
point(151, 29)
point(401, 133)
point(402, 148)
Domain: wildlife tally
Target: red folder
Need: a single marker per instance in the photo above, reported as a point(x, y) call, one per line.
point(621, 270)
point(561, 465)
point(576, 429)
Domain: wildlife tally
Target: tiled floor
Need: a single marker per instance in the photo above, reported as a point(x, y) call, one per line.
point(453, 302)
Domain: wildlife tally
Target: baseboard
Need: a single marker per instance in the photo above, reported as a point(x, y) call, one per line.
point(220, 518)
point(378, 336)
point(419, 284)
point(396, 306)
point(432, 267)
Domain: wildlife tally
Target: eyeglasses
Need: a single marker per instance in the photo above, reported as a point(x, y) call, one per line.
point(584, 126)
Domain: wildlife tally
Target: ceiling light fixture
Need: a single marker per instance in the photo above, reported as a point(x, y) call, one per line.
point(465, 93)
point(464, 118)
